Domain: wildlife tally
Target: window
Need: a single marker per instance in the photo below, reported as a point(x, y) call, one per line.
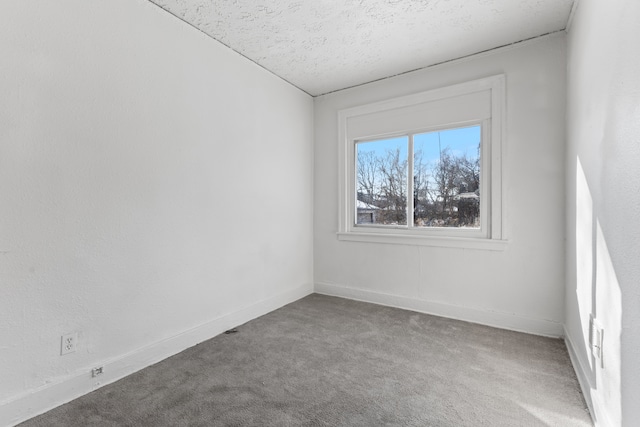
point(425, 169)
point(445, 189)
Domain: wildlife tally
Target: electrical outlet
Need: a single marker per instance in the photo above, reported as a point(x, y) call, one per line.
point(596, 340)
point(69, 343)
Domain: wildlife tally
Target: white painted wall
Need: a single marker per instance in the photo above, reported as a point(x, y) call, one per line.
point(521, 287)
point(603, 201)
point(155, 188)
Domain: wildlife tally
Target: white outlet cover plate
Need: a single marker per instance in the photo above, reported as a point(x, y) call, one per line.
point(69, 343)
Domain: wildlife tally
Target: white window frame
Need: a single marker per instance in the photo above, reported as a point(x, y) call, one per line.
point(490, 114)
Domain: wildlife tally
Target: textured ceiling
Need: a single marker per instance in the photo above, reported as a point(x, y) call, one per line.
point(325, 45)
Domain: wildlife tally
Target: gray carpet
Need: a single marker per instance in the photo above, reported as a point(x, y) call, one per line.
point(325, 361)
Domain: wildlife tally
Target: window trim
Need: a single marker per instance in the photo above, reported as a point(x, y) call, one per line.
point(491, 236)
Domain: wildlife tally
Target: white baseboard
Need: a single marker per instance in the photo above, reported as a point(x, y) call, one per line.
point(43, 399)
point(484, 317)
point(581, 373)
point(596, 409)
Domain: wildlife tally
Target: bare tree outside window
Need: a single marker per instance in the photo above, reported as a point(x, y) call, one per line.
point(446, 179)
point(382, 181)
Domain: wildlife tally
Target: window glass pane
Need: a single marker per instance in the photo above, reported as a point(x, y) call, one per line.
point(446, 177)
point(381, 181)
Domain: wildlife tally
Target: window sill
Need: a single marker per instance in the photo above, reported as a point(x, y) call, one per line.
point(414, 240)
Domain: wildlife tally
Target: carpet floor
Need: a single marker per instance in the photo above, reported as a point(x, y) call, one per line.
point(326, 361)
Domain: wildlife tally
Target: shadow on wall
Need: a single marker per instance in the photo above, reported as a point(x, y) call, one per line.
point(598, 296)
